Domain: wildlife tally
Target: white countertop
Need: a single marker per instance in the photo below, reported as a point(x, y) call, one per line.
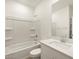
point(64, 48)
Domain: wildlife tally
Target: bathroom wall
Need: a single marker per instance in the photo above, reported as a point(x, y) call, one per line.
point(71, 10)
point(44, 15)
point(20, 29)
point(16, 9)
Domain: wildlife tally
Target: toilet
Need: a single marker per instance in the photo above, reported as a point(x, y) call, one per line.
point(36, 53)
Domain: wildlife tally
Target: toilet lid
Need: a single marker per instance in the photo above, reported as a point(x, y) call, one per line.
point(36, 51)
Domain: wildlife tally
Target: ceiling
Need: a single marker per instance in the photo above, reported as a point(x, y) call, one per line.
point(61, 4)
point(34, 3)
point(31, 3)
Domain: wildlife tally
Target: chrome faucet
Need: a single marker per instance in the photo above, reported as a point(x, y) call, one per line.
point(64, 38)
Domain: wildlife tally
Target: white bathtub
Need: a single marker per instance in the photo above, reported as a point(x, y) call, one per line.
point(21, 50)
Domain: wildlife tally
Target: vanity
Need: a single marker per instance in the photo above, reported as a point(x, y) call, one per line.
point(54, 49)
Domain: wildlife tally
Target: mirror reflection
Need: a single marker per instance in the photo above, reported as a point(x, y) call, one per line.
point(62, 14)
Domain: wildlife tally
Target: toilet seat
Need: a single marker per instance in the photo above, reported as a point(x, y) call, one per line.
point(35, 52)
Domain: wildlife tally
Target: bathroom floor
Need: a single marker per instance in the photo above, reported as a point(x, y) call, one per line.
point(29, 58)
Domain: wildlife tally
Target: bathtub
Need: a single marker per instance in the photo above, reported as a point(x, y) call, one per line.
point(20, 50)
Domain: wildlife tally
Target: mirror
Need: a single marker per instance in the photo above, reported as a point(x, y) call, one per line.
point(62, 14)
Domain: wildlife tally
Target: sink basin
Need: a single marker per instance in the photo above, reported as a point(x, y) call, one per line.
point(60, 44)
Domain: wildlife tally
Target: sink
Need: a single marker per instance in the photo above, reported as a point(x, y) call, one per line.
point(60, 44)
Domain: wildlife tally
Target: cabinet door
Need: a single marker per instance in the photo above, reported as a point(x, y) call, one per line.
point(59, 55)
point(49, 53)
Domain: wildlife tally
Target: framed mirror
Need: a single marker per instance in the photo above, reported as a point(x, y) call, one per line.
point(62, 14)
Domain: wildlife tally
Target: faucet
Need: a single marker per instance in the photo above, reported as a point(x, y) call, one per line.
point(64, 38)
point(35, 39)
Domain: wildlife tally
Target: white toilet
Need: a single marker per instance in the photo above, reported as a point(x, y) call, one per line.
point(36, 53)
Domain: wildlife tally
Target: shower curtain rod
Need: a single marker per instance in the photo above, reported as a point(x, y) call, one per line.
point(16, 19)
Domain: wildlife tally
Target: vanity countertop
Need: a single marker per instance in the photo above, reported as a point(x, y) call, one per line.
point(65, 48)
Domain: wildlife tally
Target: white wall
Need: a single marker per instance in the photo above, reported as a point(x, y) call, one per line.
point(15, 9)
point(61, 20)
point(71, 10)
point(44, 14)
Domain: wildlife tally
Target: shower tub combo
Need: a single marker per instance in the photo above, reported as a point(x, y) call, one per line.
point(21, 50)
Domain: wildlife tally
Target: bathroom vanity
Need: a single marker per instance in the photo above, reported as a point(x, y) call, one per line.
point(54, 49)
